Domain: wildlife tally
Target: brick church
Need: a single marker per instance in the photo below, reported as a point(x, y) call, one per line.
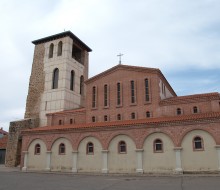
point(127, 119)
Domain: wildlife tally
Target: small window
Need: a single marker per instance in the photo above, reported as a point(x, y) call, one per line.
point(133, 115)
point(198, 143)
point(119, 117)
point(147, 114)
point(90, 148)
point(122, 147)
point(158, 145)
point(105, 118)
point(60, 48)
point(60, 122)
point(71, 121)
point(62, 148)
point(178, 111)
point(55, 78)
point(93, 119)
point(37, 149)
point(195, 109)
point(51, 50)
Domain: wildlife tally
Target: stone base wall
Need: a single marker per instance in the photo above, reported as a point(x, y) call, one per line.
point(13, 151)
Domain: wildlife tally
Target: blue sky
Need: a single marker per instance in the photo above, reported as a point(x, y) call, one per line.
point(182, 38)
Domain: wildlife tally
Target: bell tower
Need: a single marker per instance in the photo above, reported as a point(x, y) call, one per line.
point(60, 67)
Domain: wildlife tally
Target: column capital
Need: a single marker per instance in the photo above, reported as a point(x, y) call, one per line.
point(25, 152)
point(105, 151)
point(49, 151)
point(139, 150)
point(75, 151)
point(177, 148)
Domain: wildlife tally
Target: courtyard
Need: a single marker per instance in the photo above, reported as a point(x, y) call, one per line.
point(11, 180)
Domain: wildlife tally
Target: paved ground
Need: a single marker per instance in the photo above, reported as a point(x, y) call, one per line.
point(13, 179)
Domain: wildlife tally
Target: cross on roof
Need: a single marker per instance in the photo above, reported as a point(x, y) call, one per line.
point(120, 55)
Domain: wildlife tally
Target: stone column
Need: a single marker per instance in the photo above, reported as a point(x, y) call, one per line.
point(75, 155)
point(139, 161)
point(178, 169)
point(25, 160)
point(218, 152)
point(48, 161)
point(104, 161)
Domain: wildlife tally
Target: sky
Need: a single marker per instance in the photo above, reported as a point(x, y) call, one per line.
point(181, 38)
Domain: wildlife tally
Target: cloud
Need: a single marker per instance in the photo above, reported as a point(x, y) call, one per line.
point(175, 36)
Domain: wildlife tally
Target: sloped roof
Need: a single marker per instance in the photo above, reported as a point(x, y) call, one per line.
point(131, 68)
point(61, 35)
point(3, 142)
point(149, 121)
point(190, 99)
point(3, 132)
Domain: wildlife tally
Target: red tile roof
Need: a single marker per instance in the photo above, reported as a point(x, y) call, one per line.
point(161, 120)
point(3, 132)
point(3, 142)
point(191, 98)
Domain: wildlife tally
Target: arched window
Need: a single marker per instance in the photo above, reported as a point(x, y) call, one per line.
point(60, 122)
point(37, 149)
point(72, 81)
point(133, 115)
point(119, 117)
point(93, 118)
point(51, 50)
point(90, 148)
point(105, 118)
point(178, 111)
point(55, 78)
point(60, 48)
point(158, 145)
point(122, 148)
point(71, 121)
point(195, 109)
point(147, 114)
point(82, 85)
point(62, 148)
point(198, 143)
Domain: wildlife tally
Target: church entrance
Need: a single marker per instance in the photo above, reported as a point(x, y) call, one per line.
point(2, 156)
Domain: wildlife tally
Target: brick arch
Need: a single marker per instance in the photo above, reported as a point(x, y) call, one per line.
point(27, 142)
point(83, 136)
point(196, 128)
point(153, 132)
point(115, 134)
point(59, 136)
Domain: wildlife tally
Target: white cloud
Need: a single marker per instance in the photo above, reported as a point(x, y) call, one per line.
point(170, 35)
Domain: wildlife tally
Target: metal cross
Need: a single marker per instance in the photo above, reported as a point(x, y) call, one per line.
point(120, 55)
